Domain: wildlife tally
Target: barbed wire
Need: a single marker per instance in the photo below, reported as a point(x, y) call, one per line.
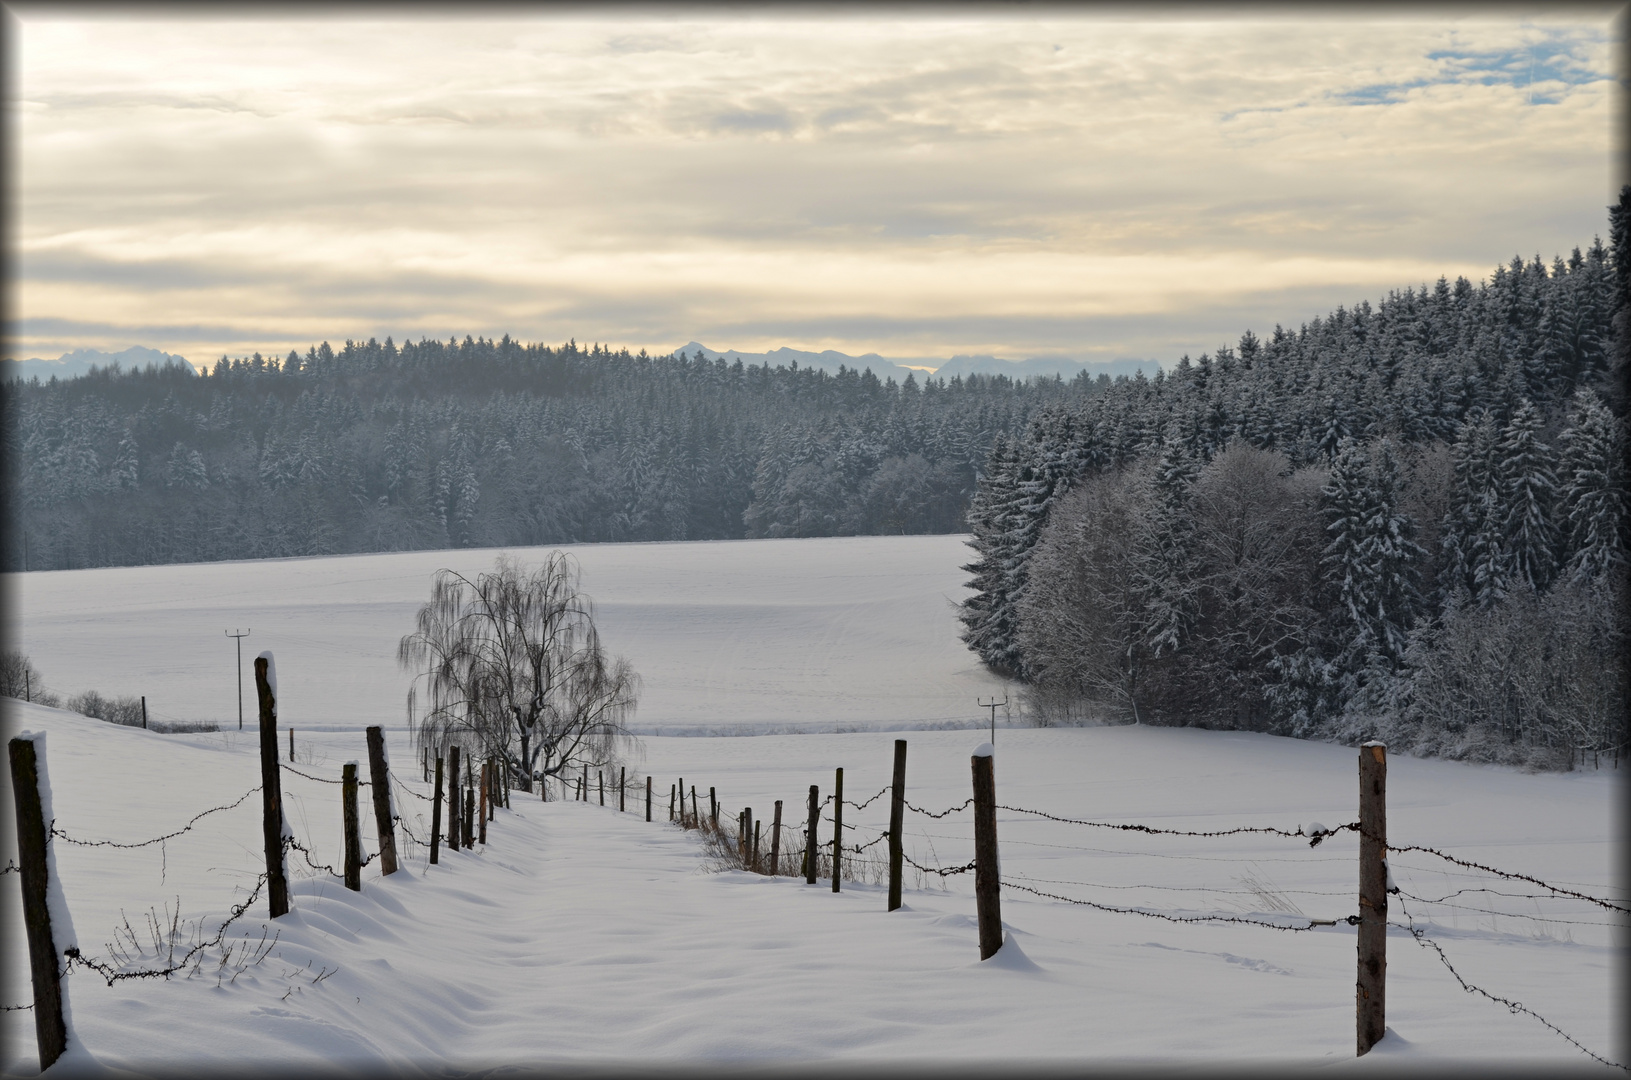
point(1507, 914)
point(59, 834)
point(113, 975)
point(1509, 875)
point(319, 779)
point(15, 1008)
point(290, 841)
point(1351, 919)
point(942, 871)
point(10, 868)
point(869, 802)
point(1513, 1007)
point(932, 814)
point(1314, 838)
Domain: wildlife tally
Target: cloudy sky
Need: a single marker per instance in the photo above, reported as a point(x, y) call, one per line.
point(919, 183)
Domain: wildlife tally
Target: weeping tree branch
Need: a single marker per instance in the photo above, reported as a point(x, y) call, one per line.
point(512, 666)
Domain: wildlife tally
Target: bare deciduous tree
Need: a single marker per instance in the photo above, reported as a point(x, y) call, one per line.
point(513, 662)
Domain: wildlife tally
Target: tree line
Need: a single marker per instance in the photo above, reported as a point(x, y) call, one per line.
point(1405, 521)
point(482, 443)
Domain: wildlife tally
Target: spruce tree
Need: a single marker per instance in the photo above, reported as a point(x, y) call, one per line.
point(1593, 499)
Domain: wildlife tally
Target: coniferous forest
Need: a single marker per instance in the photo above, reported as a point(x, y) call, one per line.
point(380, 447)
point(1405, 521)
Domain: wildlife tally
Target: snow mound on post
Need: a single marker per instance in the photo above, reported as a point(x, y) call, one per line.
point(985, 749)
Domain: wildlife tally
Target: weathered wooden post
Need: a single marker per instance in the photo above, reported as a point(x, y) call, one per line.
point(622, 789)
point(987, 882)
point(600, 776)
point(1371, 994)
point(682, 802)
point(696, 822)
point(583, 787)
point(291, 746)
point(671, 788)
point(482, 812)
point(897, 822)
point(741, 836)
point(144, 712)
point(277, 875)
point(379, 776)
point(713, 809)
point(468, 821)
point(648, 798)
point(436, 815)
point(454, 797)
point(34, 867)
point(837, 829)
point(776, 841)
point(756, 825)
point(424, 762)
point(353, 827)
point(811, 822)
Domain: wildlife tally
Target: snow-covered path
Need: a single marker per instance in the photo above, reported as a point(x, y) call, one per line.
point(582, 934)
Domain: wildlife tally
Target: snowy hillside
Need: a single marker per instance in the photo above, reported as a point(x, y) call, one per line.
point(578, 934)
point(755, 635)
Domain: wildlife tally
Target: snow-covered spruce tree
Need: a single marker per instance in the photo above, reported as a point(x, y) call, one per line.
point(1593, 502)
point(1370, 562)
point(988, 615)
point(513, 667)
point(1474, 541)
point(1527, 487)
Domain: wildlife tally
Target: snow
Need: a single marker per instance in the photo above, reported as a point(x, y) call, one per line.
point(826, 634)
point(985, 749)
point(582, 935)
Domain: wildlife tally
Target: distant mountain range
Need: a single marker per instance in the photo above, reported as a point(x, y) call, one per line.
point(898, 369)
point(78, 362)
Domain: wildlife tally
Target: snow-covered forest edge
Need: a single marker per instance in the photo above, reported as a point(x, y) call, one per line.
point(1406, 522)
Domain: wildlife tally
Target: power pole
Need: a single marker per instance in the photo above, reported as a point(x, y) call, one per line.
point(994, 705)
point(240, 635)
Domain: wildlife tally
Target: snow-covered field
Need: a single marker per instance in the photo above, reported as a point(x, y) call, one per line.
point(579, 934)
point(750, 635)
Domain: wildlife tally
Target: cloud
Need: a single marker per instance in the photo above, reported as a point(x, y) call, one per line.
point(982, 182)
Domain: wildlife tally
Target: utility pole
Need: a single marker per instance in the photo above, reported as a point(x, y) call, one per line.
point(994, 705)
point(240, 635)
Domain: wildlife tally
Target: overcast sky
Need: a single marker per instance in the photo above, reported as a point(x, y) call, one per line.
point(1033, 182)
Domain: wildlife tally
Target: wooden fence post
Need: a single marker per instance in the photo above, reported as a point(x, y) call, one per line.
point(485, 797)
point(600, 776)
point(837, 829)
point(776, 840)
point(741, 836)
point(144, 712)
point(277, 875)
point(811, 821)
point(291, 746)
point(648, 798)
point(622, 789)
point(353, 827)
point(987, 883)
point(897, 822)
point(436, 815)
point(424, 762)
point(696, 822)
point(1371, 992)
point(454, 797)
point(379, 776)
point(671, 788)
point(50, 1021)
point(713, 808)
point(468, 821)
point(583, 787)
point(756, 824)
